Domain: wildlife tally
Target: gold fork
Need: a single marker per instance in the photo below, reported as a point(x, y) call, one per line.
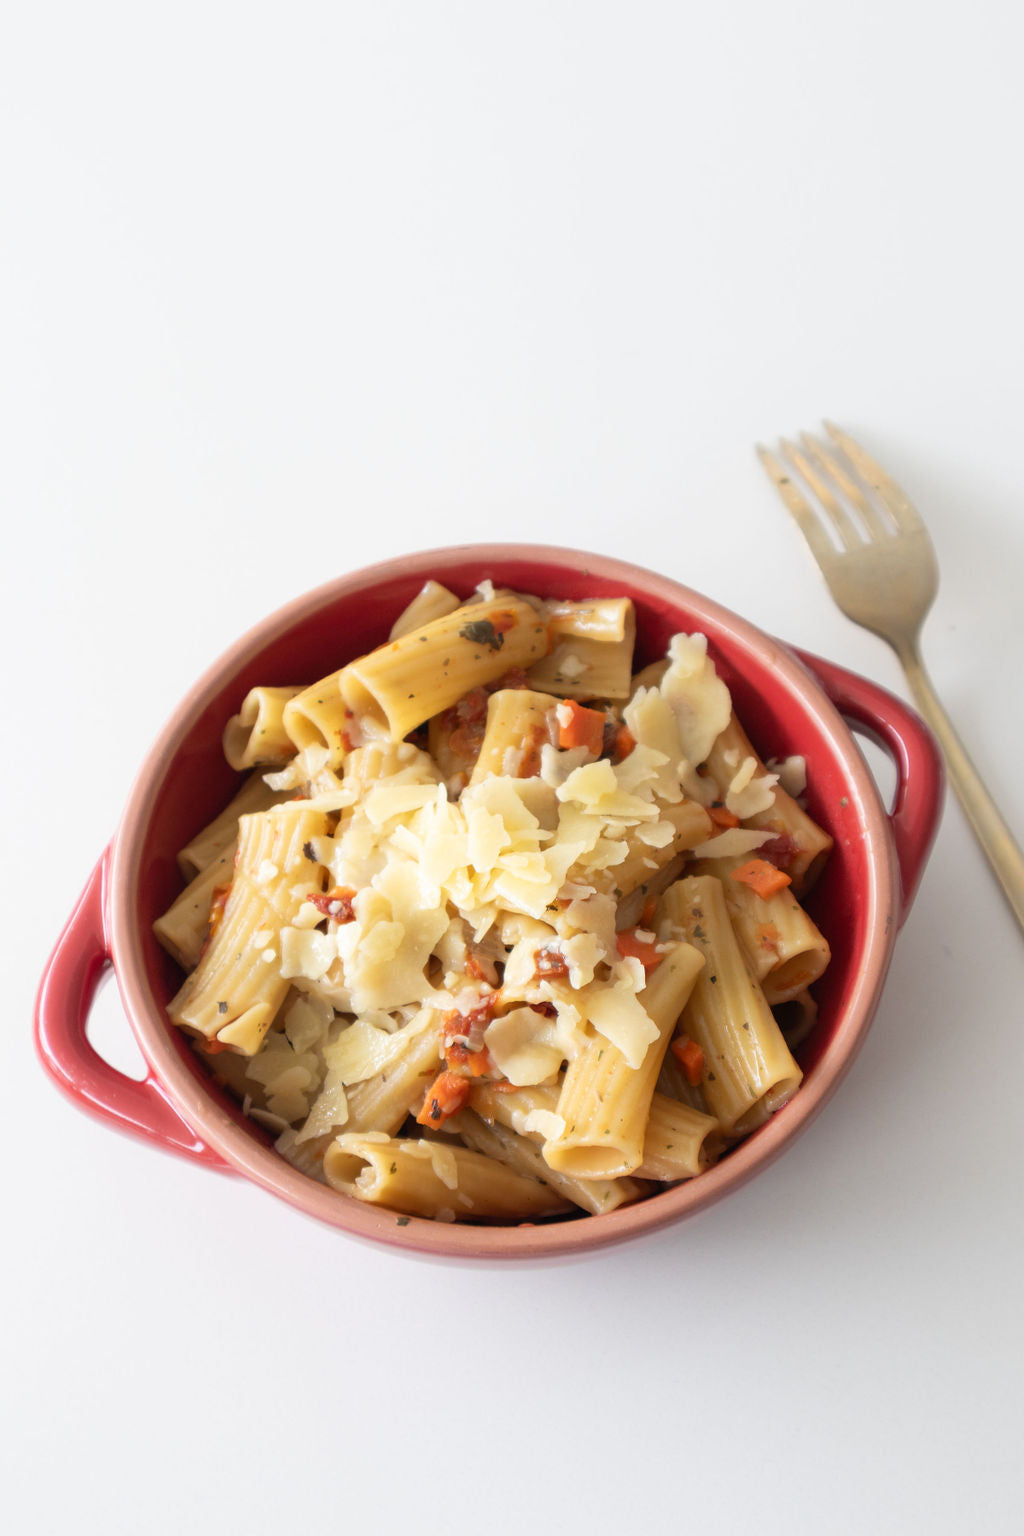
point(883, 574)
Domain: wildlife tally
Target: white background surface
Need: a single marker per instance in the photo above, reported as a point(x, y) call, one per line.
point(286, 289)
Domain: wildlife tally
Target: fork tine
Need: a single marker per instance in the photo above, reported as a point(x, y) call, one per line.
point(835, 509)
point(893, 497)
point(806, 519)
point(830, 466)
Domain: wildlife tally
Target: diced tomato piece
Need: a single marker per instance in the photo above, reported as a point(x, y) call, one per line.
point(445, 1096)
point(630, 946)
point(459, 1058)
point(456, 1023)
point(768, 937)
point(690, 1057)
point(580, 727)
point(335, 903)
point(763, 878)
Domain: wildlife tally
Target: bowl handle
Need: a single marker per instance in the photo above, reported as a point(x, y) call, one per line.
point(66, 993)
point(920, 776)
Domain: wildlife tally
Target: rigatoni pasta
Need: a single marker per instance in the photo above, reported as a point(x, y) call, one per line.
point(605, 1099)
point(256, 736)
point(402, 684)
point(784, 947)
point(499, 936)
point(238, 985)
point(758, 798)
point(222, 832)
point(428, 1178)
point(749, 1070)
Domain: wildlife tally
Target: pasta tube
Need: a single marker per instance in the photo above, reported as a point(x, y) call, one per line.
point(748, 1069)
point(591, 653)
point(320, 717)
point(431, 602)
point(680, 1142)
point(222, 831)
point(585, 669)
point(405, 682)
point(807, 845)
point(512, 1120)
point(785, 949)
point(608, 619)
point(256, 737)
point(604, 1102)
point(523, 1156)
point(237, 987)
point(691, 825)
point(517, 728)
point(183, 928)
point(433, 1179)
point(382, 1102)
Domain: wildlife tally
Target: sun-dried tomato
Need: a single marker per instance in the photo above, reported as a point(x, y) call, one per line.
point(459, 1058)
point(445, 1096)
point(335, 904)
point(780, 850)
point(551, 963)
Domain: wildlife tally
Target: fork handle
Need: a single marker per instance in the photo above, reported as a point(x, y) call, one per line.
point(997, 841)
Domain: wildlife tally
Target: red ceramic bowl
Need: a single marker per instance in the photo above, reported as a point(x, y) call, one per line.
point(789, 702)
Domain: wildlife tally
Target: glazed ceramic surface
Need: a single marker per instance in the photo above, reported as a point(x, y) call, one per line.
point(789, 703)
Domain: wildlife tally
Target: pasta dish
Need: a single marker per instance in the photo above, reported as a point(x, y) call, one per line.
point(498, 928)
